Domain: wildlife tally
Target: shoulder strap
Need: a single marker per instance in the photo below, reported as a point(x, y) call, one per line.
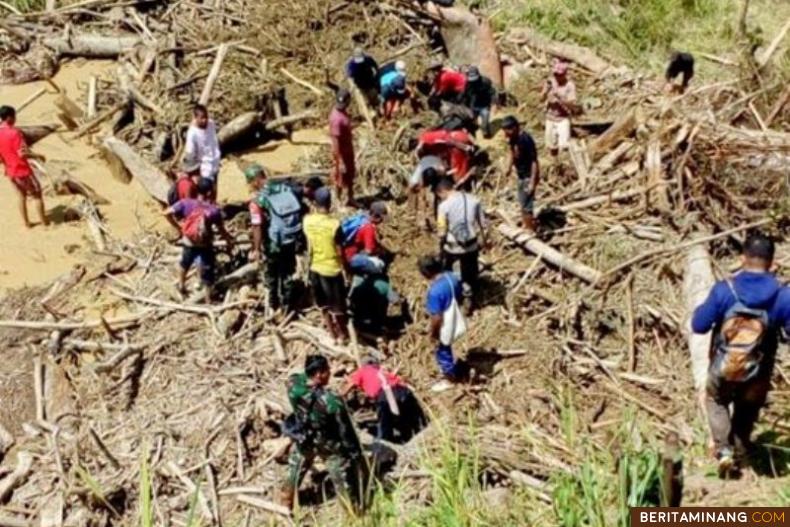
point(731, 285)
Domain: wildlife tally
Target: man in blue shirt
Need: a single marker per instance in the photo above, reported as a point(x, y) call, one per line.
point(363, 70)
point(445, 286)
point(755, 288)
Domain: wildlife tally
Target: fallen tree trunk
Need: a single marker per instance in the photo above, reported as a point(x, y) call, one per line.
point(65, 184)
point(469, 40)
point(150, 177)
point(549, 254)
point(580, 55)
point(622, 128)
point(246, 123)
point(696, 284)
point(92, 46)
point(35, 133)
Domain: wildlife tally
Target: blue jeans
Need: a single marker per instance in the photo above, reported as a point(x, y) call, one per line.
point(445, 359)
point(485, 119)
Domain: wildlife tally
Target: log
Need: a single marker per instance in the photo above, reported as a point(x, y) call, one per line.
point(90, 112)
point(42, 325)
point(655, 176)
point(697, 282)
point(469, 39)
point(246, 122)
point(35, 133)
point(580, 55)
point(99, 119)
point(93, 45)
point(150, 177)
point(65, 185)
point(549, 254)
point(622, 128)
point(216, 67)
point(23, 467)
point(96, 226)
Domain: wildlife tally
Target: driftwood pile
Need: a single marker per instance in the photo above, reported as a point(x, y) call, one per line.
point(589, 316)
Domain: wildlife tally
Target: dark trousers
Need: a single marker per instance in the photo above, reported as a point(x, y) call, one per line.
point(470, 270)
point(400, 428)
point(278, 276)
point(733, 431)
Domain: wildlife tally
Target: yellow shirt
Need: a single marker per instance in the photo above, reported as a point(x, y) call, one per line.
point(320, 230)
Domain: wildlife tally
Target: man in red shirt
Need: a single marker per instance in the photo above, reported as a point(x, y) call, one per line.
point(341, 133)
point(400, 416)
point(14, 155)
point(453, 147)
point(366, 240)
point(448, 84)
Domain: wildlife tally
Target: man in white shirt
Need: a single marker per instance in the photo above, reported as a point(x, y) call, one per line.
point(202, 144)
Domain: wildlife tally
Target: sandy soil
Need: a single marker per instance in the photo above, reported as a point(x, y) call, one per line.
point(35, 256)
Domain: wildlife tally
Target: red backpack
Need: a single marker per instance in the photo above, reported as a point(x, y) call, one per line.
point(195, 227)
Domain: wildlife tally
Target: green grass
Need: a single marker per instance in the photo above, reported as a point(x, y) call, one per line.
point(25, 6)
point(146, 509)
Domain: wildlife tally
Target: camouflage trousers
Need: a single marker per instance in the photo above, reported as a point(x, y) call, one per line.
point(345, 471)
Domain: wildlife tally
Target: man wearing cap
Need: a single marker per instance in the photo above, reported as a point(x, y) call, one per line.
point(342, 136)
point(734, 305)
point(399, 415)
point(321, 427)
point(394, 89)
point(479, 95)
point(275, 209)
point(560, 95)
point(199, 218)
point(524, 158)
point(363, 71)
point(325, 246)
point(447, 84)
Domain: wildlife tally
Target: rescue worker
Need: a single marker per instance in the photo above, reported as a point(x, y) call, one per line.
point(321, 427)
point(748, 313)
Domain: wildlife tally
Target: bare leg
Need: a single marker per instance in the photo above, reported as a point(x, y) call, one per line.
point(528, 221)
point(23, 208)
point(42, 210)
point(182, 281)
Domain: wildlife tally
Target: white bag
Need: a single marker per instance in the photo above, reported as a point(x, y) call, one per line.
point(453, 322)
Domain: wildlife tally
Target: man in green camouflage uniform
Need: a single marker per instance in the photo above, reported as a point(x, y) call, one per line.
point(321, 427)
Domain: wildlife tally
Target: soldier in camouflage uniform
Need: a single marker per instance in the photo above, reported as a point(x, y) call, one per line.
point(321, 427)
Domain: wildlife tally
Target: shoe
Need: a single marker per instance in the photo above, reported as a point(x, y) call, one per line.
point(726, 460)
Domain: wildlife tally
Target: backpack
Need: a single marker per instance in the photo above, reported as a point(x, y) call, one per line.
point(285, 218)
point(737, 352)
point(195, 227)
point(350, 226)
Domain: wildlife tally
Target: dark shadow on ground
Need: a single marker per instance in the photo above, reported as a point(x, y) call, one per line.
point(771, 456)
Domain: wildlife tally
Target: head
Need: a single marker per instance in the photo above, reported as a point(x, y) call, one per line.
point(445, 187)
point(510, 126)
point(560, 71)
point(473, 74)
point(316, 367)
point(430, 177)
point(758, 253)
point(371, 360)
point(430, 266)
point(200, 115)
point(378, 212)
point(8, 115)
point(434, 68)
point(310, 186)
point(255, 176)
point(342, 99)
point(400, 67)
point(323, 199)
point(205, 188)
point(358, 55)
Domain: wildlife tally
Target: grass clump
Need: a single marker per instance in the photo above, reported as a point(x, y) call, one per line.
point(27, 6)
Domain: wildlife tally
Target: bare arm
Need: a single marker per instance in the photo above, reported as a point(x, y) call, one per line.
point(535, 176)
point(436, 326)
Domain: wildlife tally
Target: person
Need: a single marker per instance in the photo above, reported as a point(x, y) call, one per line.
point(447, 84)
point(15, 156)
point(363, 71)
point(321, 427)
point(426, 175)
point(444, 289)
point(560, 95)
point(479, 95)
point(524, 158)
point(454, 147)
point(399, 416)
point(394, 89)
point(363, 249)
point(275, 208)
point(198, 219)
point(185, 185)
point(341, 133)
point(681, 64)
point(324, 243)
point(462, 232)
point(747, 314)
point(202, 145)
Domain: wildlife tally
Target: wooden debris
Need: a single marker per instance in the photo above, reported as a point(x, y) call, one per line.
point(92, 45)
point(150, 177)
point(582, 56)
point(34, 134)
point(22, 470)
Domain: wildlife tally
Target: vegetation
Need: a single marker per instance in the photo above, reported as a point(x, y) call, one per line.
point(26, 6)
